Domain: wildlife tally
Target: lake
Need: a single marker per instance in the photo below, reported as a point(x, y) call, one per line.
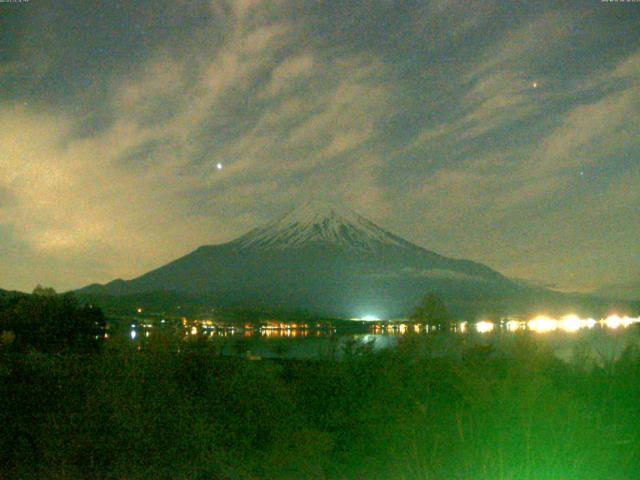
point(572, 339)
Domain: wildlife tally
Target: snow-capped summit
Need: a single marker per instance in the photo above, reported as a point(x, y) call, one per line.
point(320, 222)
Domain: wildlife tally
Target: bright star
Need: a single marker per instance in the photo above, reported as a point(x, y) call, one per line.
point(535, 84)
point(219, 166)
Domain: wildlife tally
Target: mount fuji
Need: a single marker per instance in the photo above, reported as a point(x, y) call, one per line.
point(322, 259)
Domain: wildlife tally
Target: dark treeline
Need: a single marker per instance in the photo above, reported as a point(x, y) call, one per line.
point(48, 322)
point(177, 410)
point(475, 304)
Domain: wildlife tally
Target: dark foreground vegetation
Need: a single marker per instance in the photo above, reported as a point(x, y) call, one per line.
point(177, 410)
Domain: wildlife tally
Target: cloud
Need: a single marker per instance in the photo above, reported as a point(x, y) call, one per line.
point(537, 41)
point(628, 68)
point(432, 273)
point(494, 101)
point(423, 118)
point(72, 200)
point(130, 191)
point(290, 72)
point(588, 130)
point(160, 79)
point(558, 171)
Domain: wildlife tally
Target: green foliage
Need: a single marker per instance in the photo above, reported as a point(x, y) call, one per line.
point(431, 310)
point(44, 291)
point(177, 411)
point(49, 322)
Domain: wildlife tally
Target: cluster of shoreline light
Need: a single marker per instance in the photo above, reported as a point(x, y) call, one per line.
point(275, 328)
point(544, 324)
point(400, 328)
point(210, 328)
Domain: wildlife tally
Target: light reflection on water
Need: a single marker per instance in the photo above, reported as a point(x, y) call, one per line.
point(571, 338)
point(568, 323)
point(540, 324)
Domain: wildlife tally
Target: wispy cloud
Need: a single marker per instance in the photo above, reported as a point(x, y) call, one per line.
point(423, 117)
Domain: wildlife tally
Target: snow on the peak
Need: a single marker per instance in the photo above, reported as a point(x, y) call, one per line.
point(319, 222)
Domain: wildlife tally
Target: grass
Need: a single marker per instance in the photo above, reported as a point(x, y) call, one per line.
point(402, 413)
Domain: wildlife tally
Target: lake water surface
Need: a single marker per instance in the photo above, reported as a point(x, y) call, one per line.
point(571, 339)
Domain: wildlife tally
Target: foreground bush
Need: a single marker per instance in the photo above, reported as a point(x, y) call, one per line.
point(51, 323)
point(180, 411)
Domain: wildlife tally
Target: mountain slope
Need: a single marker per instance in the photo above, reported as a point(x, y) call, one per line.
point(620, 291)
point(323, 259)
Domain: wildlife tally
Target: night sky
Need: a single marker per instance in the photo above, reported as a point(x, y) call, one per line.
point(499, 131)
